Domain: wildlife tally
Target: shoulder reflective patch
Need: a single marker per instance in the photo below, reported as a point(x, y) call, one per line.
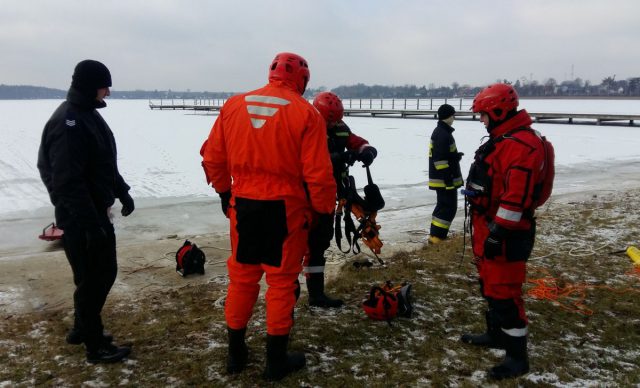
point(70, 123)
point(260, 110)
point(267, 99)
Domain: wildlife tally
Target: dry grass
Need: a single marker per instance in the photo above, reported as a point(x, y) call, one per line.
point(179, 336)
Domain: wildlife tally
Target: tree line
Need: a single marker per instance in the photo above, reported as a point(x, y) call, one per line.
point(608, 87)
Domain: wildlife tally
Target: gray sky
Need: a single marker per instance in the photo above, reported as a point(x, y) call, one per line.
point(228, 45)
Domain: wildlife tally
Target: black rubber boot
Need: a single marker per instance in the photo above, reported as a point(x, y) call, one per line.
point(281, 363)
point(238, 352)
point(107, 353)
point(493, 338)
point(317, 297)
point(515, 363)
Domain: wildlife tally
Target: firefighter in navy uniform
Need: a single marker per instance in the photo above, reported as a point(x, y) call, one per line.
point(266, 157)
point(501, 188)
point(444, 174)
point(78, 165)
point(345, 148)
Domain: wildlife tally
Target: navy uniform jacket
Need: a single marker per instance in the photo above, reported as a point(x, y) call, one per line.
point(78, 163)
point(444, 159)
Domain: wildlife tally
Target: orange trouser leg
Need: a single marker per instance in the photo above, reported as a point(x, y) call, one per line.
point(284, 288)
point(281, 297)
point(242, 293)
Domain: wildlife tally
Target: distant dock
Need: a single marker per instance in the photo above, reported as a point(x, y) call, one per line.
point(414, 109)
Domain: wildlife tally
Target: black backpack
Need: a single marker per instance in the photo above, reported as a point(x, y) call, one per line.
point(189, 259)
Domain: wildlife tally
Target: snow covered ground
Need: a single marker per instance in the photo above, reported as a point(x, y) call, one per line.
point(159, 158)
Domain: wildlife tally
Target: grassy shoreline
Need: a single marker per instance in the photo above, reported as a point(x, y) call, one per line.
point(179, 336)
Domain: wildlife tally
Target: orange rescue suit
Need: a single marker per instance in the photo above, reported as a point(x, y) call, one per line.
point(269, 147)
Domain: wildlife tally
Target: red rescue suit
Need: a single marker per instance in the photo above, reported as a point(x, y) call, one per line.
point(269, 148)
point(503, 176)
point(343, 145)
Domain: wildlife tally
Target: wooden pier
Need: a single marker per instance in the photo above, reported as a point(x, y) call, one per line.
point(416, 109)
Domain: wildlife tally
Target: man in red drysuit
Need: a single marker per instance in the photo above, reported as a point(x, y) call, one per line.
point(503, 185)
point(345, 147)
point(266, 157)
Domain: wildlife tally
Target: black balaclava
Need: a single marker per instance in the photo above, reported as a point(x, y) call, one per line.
point(89, 76)
point(494, 124)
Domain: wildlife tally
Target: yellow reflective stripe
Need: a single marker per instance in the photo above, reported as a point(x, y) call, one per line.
point(440, 223)
point(342, 134)
point(441, 165)
point(436, 183)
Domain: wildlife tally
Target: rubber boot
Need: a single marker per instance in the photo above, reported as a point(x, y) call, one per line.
point(515, 363)
point(317, 297)
point(107, 353)
point(238, 352)
point(281, 363)
point(492, 338)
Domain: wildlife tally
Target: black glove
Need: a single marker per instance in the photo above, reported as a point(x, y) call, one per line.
point(493, 243)
point(321, 233)
point(448, 182)
point(127, 204)
point(224, 201)
point(460, 155)
point(367, 155)
point(96, 239)
point(346, 157)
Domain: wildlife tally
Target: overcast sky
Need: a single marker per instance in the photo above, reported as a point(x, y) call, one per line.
point(228, 45)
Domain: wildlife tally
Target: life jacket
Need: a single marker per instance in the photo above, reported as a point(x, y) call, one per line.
point(189, 259)
point(479, 183)
point(387, 301)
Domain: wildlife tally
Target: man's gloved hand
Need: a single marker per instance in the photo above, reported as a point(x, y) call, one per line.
point(493, 243)
point(96, 239)
point(321, 233)
point(460, 155)
point(367, 155)
point(225, 197)
point(448, 181)
point(127, 204)
point(324, 226)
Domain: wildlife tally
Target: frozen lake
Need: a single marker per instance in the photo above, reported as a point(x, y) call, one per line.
point(159, 157)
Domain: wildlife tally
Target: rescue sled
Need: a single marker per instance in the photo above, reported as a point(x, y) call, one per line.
point(51, 233)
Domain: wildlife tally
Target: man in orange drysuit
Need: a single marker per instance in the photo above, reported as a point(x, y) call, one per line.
point(266, 157)
point(502, 188)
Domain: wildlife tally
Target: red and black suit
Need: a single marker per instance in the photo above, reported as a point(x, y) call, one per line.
point(502, 189)
point(345, 148)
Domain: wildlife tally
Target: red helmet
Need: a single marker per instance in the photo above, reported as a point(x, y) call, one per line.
point(496, 100)
point(329, 106)
point(290, 67)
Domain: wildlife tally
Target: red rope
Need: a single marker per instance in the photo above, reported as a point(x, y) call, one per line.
point(568, 296)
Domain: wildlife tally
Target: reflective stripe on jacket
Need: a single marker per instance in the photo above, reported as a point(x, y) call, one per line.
point(271, 143)
point(444, 159)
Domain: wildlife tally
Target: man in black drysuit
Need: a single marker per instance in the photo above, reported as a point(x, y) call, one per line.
point(78, 165)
